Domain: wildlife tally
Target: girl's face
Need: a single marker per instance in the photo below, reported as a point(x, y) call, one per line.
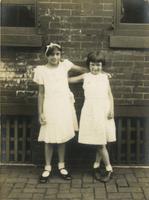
point(95, 67)
point(54, 58)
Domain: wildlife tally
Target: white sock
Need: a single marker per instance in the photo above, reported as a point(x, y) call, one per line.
point(61, 165)
point(47, 171)
point(48, 168)
point(96, 165)
point(109, 168)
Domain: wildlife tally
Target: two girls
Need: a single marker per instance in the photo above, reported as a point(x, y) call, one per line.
point(55, 110)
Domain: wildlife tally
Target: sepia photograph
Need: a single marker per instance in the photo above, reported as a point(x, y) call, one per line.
point(74, 100)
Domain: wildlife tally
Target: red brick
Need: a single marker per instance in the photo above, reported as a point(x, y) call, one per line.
point(141, 89)
point(44, 5)
point(108, 6)
point(64, 12)
point(74, 6)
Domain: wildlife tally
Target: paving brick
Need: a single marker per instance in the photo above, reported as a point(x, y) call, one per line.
point(138, 196)
point(19, 185)
point(91, 185)
point(16, 195)
point(87, 178)
point(33, 181)
point(57, 180)
point(146, 192)
point(69, 195)
point(76, 183)
point(130, 189)
point(131, 178)
point(2, 179)
point(87, 196)
point(111, 188)
point(119, 195)
point(123, 186)
point(16, 180)
point(86, 190)
point(38, 196)
point(122, 183)
point(64, 187)
point(48, 185)
point(34, 190)
point(75, 190)
point(51, 191)
point(143, 180)
point(100, 192)
point(50, 196)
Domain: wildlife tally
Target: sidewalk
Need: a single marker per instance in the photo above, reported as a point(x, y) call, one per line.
point(21, 182)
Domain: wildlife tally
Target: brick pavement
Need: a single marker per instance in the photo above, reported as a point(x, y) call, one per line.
point(21, 182)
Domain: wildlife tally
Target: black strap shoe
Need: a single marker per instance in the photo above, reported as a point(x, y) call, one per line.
point(96, 173)
point(44, 179)
point(108, 175)
point(64, 174)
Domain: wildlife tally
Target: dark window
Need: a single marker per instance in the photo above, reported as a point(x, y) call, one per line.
point(19, 25)
point(135, 11)
point(18, 15)
point(131, 24)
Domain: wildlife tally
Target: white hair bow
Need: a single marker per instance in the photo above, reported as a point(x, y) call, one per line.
point(52, 45)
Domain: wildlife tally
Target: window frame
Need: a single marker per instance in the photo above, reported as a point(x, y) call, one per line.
point(128, 35)
point(21, 36)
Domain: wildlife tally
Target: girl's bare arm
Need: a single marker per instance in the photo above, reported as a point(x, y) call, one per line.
point(40, 105)
point(79, 69)
point(40, 99)
point(111, 114)
point(75, 79)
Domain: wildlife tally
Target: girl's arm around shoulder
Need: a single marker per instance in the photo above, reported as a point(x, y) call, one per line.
point(79, 69)
point(109, 76)
point(76, 79)
point(71, 66)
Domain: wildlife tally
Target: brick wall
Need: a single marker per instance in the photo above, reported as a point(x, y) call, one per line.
point(80, 26)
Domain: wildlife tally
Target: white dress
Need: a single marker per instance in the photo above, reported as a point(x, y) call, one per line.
point(58, 108)
point(95, 128)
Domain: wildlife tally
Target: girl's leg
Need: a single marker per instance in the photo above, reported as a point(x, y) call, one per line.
point(106, 160)
point(48, 153)
point(96, 165)
point(61, 165)
point(61, 154)
point(48, 157)
point(98, 159)
point(105, 157)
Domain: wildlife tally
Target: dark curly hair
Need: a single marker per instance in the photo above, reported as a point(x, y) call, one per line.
point(95, 57)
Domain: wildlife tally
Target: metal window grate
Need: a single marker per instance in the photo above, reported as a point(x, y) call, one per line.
point(130, 146)
point(16, 139)
point(18, 142)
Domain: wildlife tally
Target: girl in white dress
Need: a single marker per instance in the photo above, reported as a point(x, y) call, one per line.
point(55, 108)
point(97, 126)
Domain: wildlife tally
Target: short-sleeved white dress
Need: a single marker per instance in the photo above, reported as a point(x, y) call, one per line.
point(95, 128)
point(58, 108)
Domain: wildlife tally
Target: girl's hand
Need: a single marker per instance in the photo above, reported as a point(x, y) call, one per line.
point(42, 119)
point(111, 115)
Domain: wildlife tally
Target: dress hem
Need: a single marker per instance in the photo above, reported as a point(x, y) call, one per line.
point(56, 142)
